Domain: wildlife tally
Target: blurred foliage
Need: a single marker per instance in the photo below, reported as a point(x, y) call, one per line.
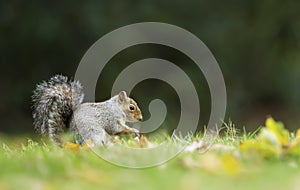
point(268, 159)
point(273, 140)
point(256, 43)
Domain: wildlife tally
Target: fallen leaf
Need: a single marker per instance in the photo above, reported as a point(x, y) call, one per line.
point(72, 146)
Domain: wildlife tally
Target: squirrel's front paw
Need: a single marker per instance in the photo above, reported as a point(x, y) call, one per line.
point(136, 132)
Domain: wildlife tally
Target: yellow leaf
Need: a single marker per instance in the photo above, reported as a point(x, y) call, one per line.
point(277, 128)
point(72, 146)
point(260, 147)
point(298, 133)
point(272, 140)
point(296, 142)
point(268, 137)
point(231, 164)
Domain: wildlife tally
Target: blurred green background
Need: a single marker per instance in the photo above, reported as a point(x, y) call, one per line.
point(256, 43)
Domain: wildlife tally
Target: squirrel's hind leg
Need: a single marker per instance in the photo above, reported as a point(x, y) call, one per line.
point(98, 136)
point(101, 138)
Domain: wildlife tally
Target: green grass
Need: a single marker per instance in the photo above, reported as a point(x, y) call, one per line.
point(27, 164)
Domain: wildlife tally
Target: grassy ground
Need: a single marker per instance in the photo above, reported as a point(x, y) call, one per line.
point(37, 165)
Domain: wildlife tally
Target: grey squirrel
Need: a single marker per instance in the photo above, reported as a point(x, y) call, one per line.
point(57, 104)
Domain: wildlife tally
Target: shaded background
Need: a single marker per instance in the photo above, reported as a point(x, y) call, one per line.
point(256, 44)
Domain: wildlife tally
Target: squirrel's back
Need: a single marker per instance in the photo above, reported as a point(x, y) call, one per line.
point(53, 103)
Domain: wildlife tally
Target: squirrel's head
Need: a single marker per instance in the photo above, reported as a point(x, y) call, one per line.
point(130, 108)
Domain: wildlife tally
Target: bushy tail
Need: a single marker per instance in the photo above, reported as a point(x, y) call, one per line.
point(53, 104)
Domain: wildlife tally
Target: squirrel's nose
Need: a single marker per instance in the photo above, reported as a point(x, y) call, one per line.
point(140, 118)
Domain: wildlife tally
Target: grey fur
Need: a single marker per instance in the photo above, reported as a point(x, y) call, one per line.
point(98, 121)
point(59, 99)
point(53, 103)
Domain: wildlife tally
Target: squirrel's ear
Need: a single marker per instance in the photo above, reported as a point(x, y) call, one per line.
point(122, 96)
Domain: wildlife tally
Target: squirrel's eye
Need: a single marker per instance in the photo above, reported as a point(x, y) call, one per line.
point(131, 107)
